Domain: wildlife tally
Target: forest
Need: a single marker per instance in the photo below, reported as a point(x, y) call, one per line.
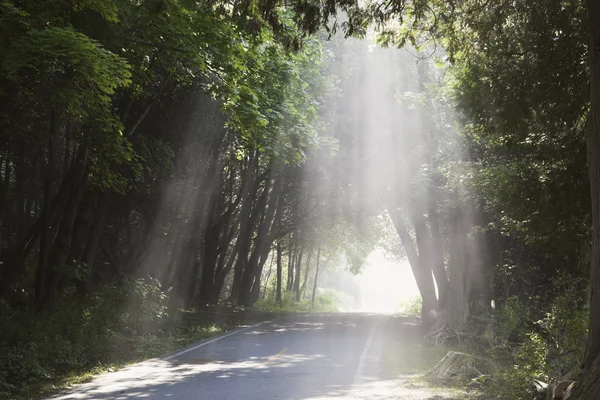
point(161, 160)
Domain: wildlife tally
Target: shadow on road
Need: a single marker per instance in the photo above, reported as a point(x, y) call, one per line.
point(302, 357)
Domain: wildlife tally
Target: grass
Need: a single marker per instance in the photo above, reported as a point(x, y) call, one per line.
point(324, 303)
point(412, 358)
point(408, 358)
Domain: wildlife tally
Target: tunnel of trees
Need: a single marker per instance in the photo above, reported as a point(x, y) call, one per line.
point(215, 148)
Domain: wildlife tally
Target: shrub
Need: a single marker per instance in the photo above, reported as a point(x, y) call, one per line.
point(410, 306)
point(117, 323)
point(324, 302)
point(523, 349)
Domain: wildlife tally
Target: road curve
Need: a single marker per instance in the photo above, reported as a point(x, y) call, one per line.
point(331, 356)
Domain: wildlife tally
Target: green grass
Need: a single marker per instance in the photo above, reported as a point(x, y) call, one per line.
point(407, 357)
point(402, 359)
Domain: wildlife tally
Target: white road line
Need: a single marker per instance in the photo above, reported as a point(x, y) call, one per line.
point(214, 340)
point(362, 363)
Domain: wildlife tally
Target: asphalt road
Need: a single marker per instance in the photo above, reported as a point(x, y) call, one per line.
point(331, 356)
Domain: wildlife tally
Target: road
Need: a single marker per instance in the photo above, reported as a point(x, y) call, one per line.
point(331, 356)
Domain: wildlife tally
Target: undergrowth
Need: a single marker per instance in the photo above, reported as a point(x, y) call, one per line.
point(45, 351)
point(410, 306)
point(525, 340)
point(324, 302)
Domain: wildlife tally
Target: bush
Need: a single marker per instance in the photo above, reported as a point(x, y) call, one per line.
point(410, 306)
point(524, 348)
point(118, 323)
point(324, 302)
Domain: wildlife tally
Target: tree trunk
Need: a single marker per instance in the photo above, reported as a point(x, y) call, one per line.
point(303, 288)
point(249, 188)
point(62, 244)
point(279, 273)
point(250, 289)
point(14, 267)
point(297, 277)
point(209, 264)
point(91, 247)
point(4, 188)
point(20, 179)
point(316, 276)
point(268, 277)
point(456, 310)
point(588, 385)
point(290, 266)
point(437, 259)
point(423, 276)
point(45, 241)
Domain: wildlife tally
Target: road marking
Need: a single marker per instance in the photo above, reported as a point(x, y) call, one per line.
point(362, 363)
point(215, 339)
point(275, 356)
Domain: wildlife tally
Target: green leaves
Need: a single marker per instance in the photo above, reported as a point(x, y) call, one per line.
point(271, 101)
point(73, 71)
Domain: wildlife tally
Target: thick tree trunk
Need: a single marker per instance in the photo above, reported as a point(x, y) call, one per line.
point(428, 257)
point(437, 259)
point(423, 276)
point(588, 385)
point(454, 315)
point(186, 277)
point(249, 188)
point(279, 273)
point(314, 292)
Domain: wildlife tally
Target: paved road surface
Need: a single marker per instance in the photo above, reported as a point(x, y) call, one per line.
point(335, 356)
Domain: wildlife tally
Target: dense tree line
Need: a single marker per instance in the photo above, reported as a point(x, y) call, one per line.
point(157, 139)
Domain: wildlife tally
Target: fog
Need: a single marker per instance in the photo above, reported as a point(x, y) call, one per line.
point(376, 113)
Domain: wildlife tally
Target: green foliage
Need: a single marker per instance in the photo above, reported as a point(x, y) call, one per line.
point(324, 302)
point(523, 349)
point(119, 324)
point(410, 306)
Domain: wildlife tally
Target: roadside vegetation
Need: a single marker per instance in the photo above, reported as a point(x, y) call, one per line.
point(410, 306)
point(69, 344)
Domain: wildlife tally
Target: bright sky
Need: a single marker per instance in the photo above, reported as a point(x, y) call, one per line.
point(384, 283)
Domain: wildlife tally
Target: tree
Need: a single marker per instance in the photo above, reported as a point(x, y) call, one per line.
point(588, 385)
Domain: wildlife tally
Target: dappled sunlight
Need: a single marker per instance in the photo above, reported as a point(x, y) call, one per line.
point(313, 356)
point(142, 379)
